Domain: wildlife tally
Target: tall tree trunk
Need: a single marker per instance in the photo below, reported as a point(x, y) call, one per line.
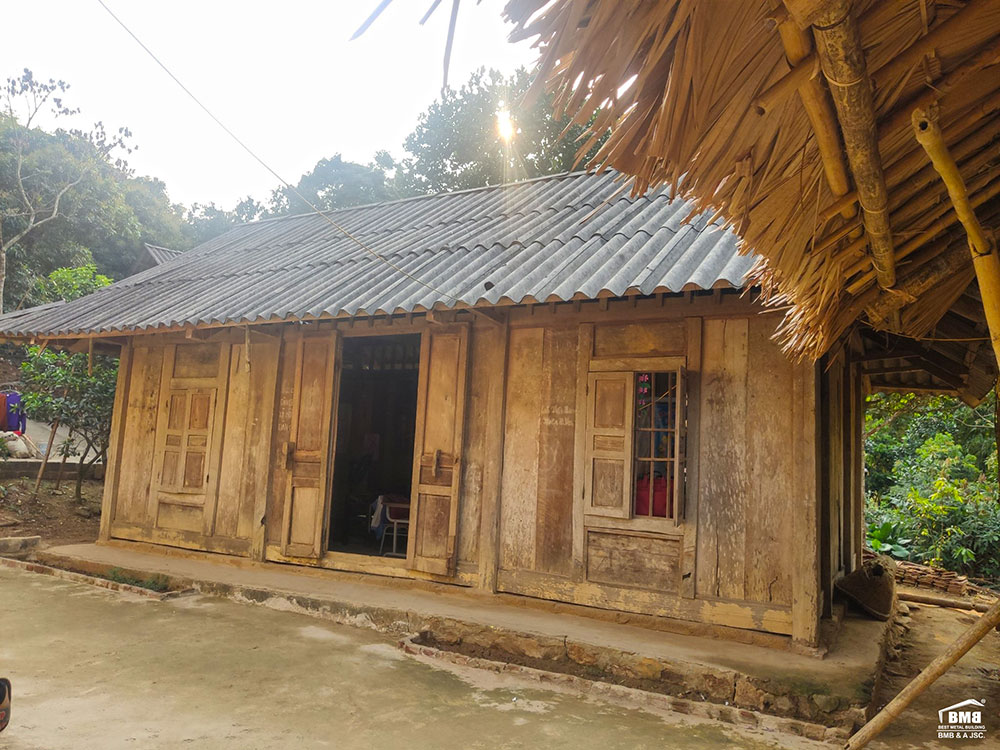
point(3, 266)
point(81, 469)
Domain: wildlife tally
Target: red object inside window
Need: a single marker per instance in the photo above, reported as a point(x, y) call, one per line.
point(661, 489)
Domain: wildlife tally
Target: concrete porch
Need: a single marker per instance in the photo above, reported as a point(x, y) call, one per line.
point(738, 682)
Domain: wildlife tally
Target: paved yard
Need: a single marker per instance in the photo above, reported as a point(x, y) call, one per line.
point(96, 669)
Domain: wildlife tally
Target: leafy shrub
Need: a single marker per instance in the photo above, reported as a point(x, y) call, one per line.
point(887, 539)
point(944, 506)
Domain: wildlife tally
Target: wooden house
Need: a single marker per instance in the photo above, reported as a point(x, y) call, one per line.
point(549, 389)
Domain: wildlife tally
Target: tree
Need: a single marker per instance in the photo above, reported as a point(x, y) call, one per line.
point(80, 395)
point(335, 183)
point(456, 144)
point(42, 175)
point(71, 388)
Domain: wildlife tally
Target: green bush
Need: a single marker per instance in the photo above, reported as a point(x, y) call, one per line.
point(944, 506)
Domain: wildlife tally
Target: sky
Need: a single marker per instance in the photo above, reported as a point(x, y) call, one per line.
point(282, 75)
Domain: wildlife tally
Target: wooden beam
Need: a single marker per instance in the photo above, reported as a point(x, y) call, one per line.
point(923, 279)
point(984, 249)
point(843, 61)
point(924, 236)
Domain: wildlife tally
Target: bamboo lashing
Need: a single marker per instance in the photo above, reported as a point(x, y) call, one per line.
point(843, 61)
point(922, 681)
point(984, 249)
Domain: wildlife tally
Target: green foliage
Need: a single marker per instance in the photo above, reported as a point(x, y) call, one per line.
point(71, 283)
point(64, 387)
point(887, 539)
point(156, 582)
point(67, 197)
point(456, 146)
point(335, 183)
point(896, 425)
point(945, 505)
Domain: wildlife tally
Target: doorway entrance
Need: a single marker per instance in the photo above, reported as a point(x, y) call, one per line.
point(373, 455)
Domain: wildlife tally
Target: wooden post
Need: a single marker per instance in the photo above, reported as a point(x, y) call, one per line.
point(922, 681)
point(838, 42)
point(984, 249)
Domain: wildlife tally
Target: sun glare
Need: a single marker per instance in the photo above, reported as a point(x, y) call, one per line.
point(505, 126)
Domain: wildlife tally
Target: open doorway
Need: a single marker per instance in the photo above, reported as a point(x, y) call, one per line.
point(373, 456)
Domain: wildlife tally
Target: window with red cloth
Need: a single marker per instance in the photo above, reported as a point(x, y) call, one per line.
point(655, 443)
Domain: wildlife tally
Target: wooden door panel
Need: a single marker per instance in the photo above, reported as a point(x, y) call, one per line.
point(307, 451)
point(437, 465)
point(188, 437)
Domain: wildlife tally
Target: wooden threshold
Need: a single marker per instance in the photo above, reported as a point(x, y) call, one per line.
point(393, 567)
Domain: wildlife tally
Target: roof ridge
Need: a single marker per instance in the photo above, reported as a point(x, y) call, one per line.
point(395, 201)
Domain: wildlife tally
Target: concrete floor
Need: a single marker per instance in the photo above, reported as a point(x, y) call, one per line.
point(96, 669)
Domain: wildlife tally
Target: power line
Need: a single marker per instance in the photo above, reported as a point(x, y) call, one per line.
point(264, 164)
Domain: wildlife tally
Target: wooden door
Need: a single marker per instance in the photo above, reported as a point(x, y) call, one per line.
point(608, 460)
point(437, 463)
point(307, 452)
point(188, 437)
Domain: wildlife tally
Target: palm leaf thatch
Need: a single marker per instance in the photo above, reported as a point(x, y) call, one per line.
point(793, 122)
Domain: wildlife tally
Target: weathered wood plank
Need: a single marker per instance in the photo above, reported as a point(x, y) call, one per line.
point(725, 472)
point(640, 561)
point(772, 477)
point(554, 536)
point(806, 598)
point(520, 463)
point(282, 434)
point(489, 529)
point(732, 614)
point(483, 344)
point(693, 370)
point(641, 339)
point(132, 503)
point(113, 469)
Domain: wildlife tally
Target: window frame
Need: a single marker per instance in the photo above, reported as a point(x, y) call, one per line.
point(596, 517)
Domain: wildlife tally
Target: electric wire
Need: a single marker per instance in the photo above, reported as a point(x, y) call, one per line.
point(266, 166)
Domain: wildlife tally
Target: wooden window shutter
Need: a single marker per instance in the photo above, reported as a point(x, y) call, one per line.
point(608, 457)
point(307, 452)
point(437, 465)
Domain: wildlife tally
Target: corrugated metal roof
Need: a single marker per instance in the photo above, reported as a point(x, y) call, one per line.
point(572, 236)
point(161, 254)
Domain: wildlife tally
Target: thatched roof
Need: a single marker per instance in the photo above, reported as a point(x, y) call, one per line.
point(729, 100)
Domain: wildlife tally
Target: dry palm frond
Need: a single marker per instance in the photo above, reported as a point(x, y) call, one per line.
point(679, 82)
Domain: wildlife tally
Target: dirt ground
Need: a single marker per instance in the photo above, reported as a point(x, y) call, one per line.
point(977, 675)
point(54, 515)
point(96, 669)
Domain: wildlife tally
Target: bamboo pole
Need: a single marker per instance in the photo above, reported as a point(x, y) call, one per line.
point(984, 249)
point(918, 282)
point(941, 601)
point(843, 61)
point(798, 45)
point(45, 459)
point(926, 678)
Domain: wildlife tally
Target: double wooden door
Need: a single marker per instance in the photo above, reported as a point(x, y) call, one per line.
point(437, 448)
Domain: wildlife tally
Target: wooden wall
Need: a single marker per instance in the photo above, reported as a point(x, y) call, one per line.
point(744, 552)
point(751, 471)
point(227, 514)
point(536, 507)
